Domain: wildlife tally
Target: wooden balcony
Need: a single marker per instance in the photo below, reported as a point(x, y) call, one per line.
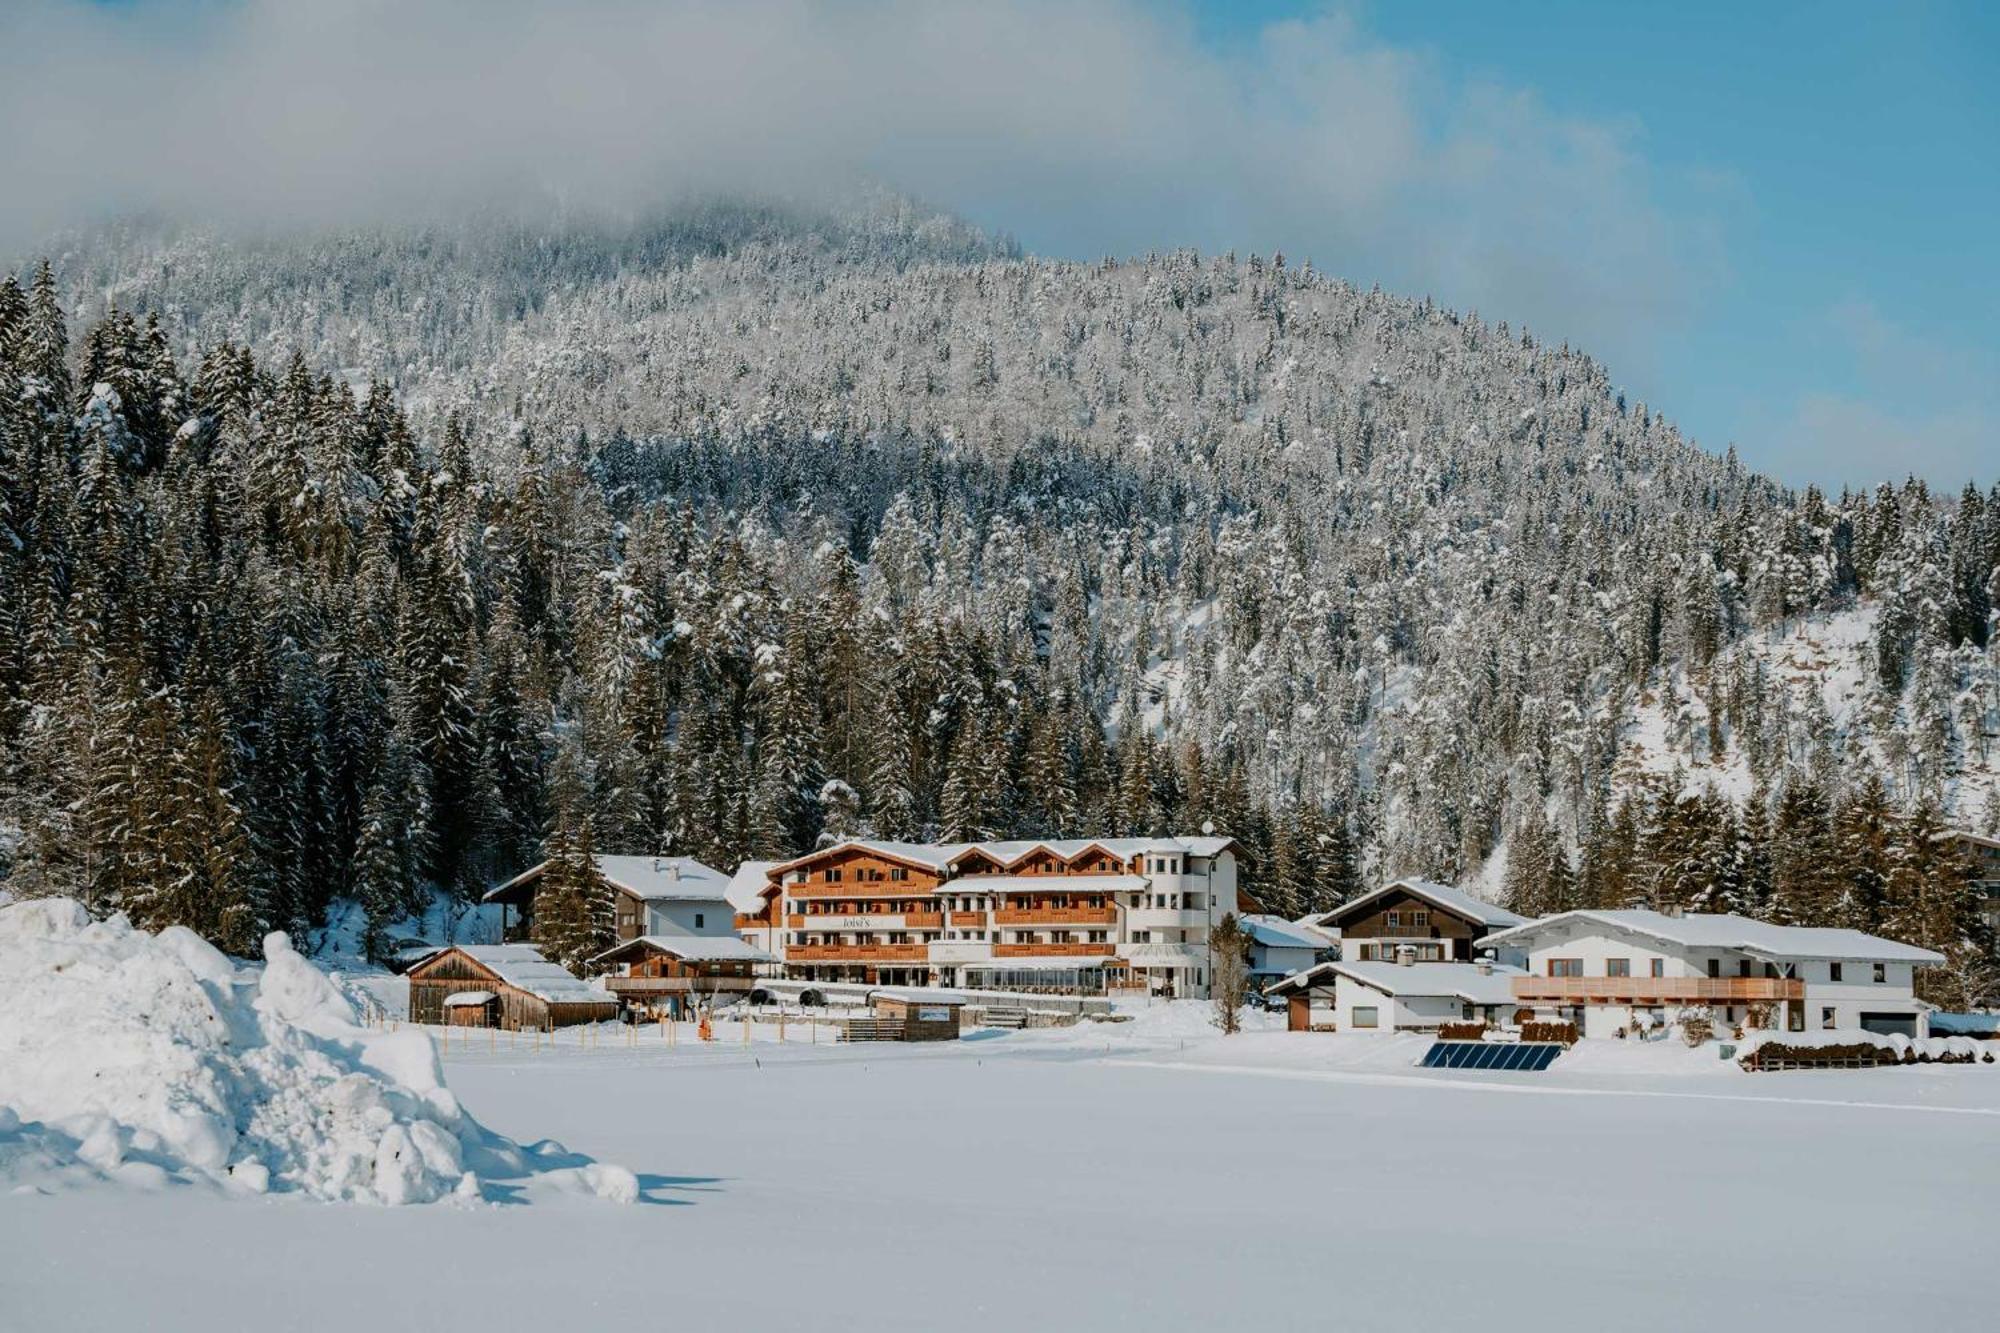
point(865, 921)
point(1056, 916)
point(968, 920)
point(865, 890)
point(1053, 950)
point(857, 953)
point(1657, 990)
point(677, 985)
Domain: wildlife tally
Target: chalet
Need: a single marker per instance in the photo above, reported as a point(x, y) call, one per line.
point(1406, 996)
point(1067, 915)
point(1608, 970)
point(1279, 948)
point(1984, 854)
point(654, 895)
point(1417, 920)
point(670, 976)
point(502, 985)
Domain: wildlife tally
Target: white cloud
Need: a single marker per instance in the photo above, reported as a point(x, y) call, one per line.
point(1085, 128)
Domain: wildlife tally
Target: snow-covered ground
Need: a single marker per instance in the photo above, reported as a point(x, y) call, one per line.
point(1148, 1174)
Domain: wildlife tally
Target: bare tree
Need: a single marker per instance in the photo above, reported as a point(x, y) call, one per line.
point(1231, 947)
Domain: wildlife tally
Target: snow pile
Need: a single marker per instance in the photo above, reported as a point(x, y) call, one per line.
point(151, 1058)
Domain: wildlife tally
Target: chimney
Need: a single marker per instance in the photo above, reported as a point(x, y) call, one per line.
point(1406, 956)
point(1485, 967)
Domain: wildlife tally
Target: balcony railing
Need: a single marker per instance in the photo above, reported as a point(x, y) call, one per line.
point(1056, 916)
point(668, 985)
point(857, 953)
point(836, 921)
point(1653, 990)
point(968, 920)
point(862, 888)
point(1053, 950)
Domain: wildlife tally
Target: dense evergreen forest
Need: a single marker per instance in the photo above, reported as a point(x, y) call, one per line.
point(366, 566)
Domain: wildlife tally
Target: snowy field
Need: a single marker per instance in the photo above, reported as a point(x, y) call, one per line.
point(1142, 1175)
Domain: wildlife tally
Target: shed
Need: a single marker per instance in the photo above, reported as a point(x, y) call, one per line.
point(926, 1014)
point(526, 989)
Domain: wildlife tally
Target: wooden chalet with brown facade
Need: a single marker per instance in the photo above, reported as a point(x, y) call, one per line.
point(672, 976)
point(1069, 915)
point(502, 985)
point(1417, 921)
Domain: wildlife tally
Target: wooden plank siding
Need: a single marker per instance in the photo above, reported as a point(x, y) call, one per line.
point(1451, 930)
point(450, 972)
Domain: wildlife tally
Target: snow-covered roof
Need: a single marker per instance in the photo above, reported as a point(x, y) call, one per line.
point(1470, 982)
point(746, 886)
point(1164, 955)
point(653, 878)
point(691, 949)
point(920, 995)
point(1716, 930)
point(1440, 895)
point(466, 999)
point(939, 856)
point(523, 967)
point(1274, 932)
point(1066, 883)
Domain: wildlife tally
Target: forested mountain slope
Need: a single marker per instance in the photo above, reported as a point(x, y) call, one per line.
point(728, 530)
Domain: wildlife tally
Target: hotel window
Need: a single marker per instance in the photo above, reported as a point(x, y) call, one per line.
point(1881, 973)
point(1565, 967)
point(898, 873)
point(1365, 1017)
point(1393, 919)
point(1743, 967)
point(697, 920)
point(1659, 967)
point(1828, 1017)
point(1420, 917)
point(833, 876)
point(1715, 967)
point(1618, 967)
point(1833, 971)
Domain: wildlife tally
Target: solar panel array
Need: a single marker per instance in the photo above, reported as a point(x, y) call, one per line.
point(1528, 1056)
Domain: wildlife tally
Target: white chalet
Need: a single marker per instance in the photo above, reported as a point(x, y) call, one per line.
point(1407, 996)
point(1608, 969)
point(1278, 947)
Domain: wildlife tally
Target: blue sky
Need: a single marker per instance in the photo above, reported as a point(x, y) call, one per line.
point(1848, 157)
point(1773, 221)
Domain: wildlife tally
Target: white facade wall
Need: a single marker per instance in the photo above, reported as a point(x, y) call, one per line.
point(1392, 1012)
point(700, 918)
point(1856, 994)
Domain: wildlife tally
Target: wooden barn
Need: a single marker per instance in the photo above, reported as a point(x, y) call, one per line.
point(502, 985)
point(926, 1014)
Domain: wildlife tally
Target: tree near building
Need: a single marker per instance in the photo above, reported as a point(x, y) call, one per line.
point(1230, 947)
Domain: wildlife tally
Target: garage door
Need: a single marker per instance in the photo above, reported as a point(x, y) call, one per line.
point(1888, 1024)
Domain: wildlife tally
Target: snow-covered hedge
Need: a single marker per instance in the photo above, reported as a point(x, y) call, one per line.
point(150, 1058)
point(1761, 1048)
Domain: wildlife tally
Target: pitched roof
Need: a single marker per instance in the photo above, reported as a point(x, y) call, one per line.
point(690, 949)
point(1464, 981)
point(652, 878)
point(523, 967)
point(1277, 933)
point(1715, 930)
point(938, 856)
point(747, 885)
point(1457, 901)
point(1067, 883)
